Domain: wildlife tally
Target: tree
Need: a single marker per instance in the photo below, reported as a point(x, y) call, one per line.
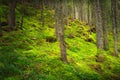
point(12, 15)
point(81, 10)
point(88, 6)
point(23, 13)
point(0, 27)
point(114, 8)
point(59, 17)
point(42, 12)
point(99, 28)
point(104, 12)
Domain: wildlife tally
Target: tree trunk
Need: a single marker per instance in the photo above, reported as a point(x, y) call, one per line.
point(74, 10)
point(88, 15)
point(77, 9)
point(104, 23)
point(93, 14)
point(0, 27)
point(42, 12)
point(23, 13)
point(12, 15)
point(59, 16)
point(114, 7)
point(81, 10)
point(99, 28)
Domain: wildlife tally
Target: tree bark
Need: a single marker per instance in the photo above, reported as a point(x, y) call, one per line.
point(81, 10)
point(104, 23)
point(23, 13)
point(114, 8)
point(88, 11)
point(0, 27)
point(74, 9)
point(42, 12)
point(59, 16)
point(12, 15)
point(99, 28)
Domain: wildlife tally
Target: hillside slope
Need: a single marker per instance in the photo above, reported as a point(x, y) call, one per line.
point(32, 53)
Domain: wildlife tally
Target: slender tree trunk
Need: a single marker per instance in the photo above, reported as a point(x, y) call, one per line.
point(104, 23)
point(57, 26)
point(0, 27)
point(65, 9)
point(77, 4)
point(85, 10)
point(74, 10)
point(59, 16)
point(114, 7)
point(93, 14)
point(81, 10)
point(23, 13)
point(22, 21)
point(105, 36)
point(42, 12)
point(99, 28)
point(12, 15)
point(88, 11)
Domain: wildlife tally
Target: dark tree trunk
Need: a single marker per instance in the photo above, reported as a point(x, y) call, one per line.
point(42, 12)
point(12, 15)
point(114, 7)
point(0, 27)
point(23, 13)
point(104, 12)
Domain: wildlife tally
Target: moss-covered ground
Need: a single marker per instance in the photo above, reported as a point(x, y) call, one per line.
point(32, 52)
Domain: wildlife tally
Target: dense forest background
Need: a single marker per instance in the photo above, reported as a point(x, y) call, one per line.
point(59, 39)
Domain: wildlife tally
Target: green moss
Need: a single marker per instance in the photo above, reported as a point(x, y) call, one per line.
point(28, 55)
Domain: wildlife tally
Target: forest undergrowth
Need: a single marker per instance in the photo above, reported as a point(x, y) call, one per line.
point(32, 52)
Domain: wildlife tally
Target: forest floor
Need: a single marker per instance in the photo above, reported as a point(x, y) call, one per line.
point(32, 53)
